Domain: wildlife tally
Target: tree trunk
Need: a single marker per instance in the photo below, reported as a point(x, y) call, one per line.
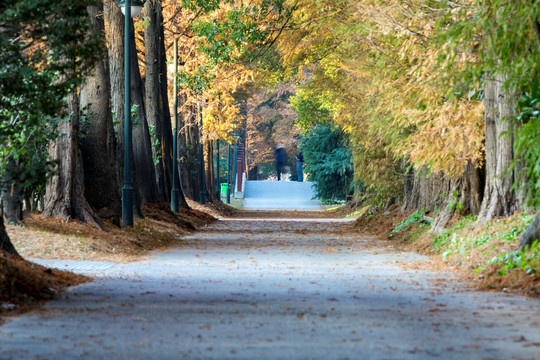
point(98, 145)
point(531, 234)
point(154, 113)
point(464, 196)
point(12, 194)
point(499, 197)
point(5, 243)
point(167, 126)
point(191, 159)
point(437, 192)
point(166, 113)
point(209, 173)
point(142, 148)
point(425, 190)
point(64, 196)
point(115, 36)
point(142, 167)
point(183, 158)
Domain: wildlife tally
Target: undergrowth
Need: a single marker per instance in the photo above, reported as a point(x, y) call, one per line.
point(413, 218)
point(453, 241)
point(527, 260)
point(488, 253)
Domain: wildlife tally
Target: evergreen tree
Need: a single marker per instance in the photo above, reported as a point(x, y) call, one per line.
point(327, 161)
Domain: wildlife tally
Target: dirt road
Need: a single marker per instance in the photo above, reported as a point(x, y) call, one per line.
point(275, 289)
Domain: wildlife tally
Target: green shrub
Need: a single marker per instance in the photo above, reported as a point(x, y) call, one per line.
point(414, 217)
point(527, 260)
point(327, 161)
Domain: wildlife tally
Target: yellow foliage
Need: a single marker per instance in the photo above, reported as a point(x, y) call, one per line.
point(379, 60)
point(220, 110)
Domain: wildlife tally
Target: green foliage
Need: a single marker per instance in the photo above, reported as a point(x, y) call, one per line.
point(413, 218)
point(244, 33)
point(311, 110)
point(327, 161)
point(46, 51)
point(25, 159)
point(454, 243)
point(134, 114)
point(267, 170)
point(156, 144)
point(441, 240)
point(454, 204)
point(527, 260)
point(527, 145)
point(497, 35)
point(198, 81)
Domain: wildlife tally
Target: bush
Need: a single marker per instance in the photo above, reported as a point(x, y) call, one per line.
point(327, 161)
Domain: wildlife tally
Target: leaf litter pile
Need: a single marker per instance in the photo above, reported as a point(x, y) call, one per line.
point(23, 283)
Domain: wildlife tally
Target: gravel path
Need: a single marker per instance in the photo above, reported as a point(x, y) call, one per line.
point(275, 289)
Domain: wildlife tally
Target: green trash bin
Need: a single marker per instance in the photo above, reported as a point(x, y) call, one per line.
point(224, 189)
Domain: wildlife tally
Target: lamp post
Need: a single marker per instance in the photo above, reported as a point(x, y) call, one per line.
point(175, 191)
point(228, 198)
point(202, 194)
point(235, 167)
point(130, 8)
point(218, 181)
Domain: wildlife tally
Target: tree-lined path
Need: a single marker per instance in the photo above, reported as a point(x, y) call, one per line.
point(280, 195)
point(275, 289)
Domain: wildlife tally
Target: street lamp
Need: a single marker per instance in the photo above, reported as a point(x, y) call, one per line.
point(135, 5)
point(228, 198)
point(202, 194)
point(130, 8)
point(175, 192)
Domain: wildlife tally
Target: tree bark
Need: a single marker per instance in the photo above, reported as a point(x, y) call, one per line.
point(154, 112)
point(5, 242)
point(464, 196)
point(115, 36)
point(12, 194)
point(64, 196)
point(142, 148)
point(142, 167)
point(168, 120)
point(425, 190)
point(191, 158)
point(209, 173)
point(531, 234)
point(448, 195)
point(166, 113)
point(98, 145)
point(499, 197)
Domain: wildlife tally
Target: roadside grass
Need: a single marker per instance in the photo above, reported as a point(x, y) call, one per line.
point(235, 203)
point(357, 213)
point(486, 254)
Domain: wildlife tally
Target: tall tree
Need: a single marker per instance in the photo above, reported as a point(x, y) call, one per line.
point(503, 65)
point(143, 173)
point(98, 141)
point(157, 122)
point(5, 242)
point(11, 194)
point(45, 52)
point(64, 196)
point(115, 46)
point(190, 159)
point(500, 198)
